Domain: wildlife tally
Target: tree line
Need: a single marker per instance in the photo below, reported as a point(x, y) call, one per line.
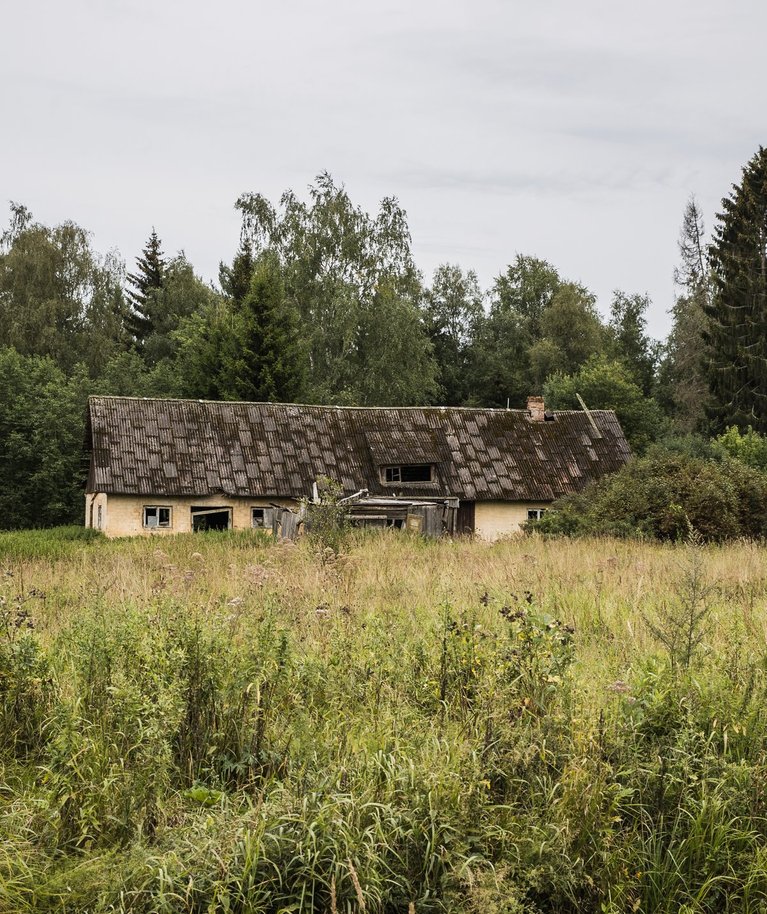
point(323, 303)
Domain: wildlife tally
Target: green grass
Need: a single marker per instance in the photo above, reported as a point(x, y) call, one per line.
point(52, 543)
point(223, 724)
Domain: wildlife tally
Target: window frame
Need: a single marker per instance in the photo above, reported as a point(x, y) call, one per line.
point(159, 525)
point(536, 513)
point(393, 475)
point(267, 517)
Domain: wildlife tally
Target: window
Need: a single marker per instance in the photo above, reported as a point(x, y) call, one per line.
point(261, 518)
point(99, 517)
point(535, 513)
point(155, 516)
point(409, 472)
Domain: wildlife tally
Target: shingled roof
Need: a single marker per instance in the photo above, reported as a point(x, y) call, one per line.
point(198, 447)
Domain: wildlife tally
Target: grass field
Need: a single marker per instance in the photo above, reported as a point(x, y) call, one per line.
point(215, 723)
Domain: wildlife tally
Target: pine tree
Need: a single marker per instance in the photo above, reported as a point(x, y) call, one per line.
point(738, 311)
point(147, 281)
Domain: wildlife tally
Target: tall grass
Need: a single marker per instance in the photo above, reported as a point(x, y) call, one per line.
point(215, 723)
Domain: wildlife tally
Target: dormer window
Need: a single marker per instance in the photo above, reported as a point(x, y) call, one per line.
point(408, 473)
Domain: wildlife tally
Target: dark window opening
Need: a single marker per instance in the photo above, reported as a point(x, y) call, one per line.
point(155, 516)
point(211, 519)
point(409, 472)
point(261, 518)
point(535, 513)
point(465, 519)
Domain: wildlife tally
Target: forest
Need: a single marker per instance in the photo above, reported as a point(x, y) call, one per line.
point(323, 303)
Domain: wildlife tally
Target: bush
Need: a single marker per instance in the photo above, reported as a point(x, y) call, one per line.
point(749, 447)
point(664, 496)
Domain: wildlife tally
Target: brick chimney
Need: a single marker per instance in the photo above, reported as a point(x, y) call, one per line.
point(536, 409)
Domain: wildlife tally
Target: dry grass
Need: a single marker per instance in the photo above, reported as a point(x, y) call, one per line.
point(410, 725)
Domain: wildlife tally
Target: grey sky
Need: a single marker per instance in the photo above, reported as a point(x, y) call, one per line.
point(571, 131)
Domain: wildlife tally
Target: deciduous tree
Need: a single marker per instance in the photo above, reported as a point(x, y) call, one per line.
point(58, 297)
point(337, 263)
point(453, 310)
point(605, 384)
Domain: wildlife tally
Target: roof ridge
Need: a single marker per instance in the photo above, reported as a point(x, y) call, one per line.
point(478, 409)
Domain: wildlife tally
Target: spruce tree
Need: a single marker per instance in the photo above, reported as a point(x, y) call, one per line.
point(146, 282)
point(263, 358)
point(737, 333)
point(235, 280)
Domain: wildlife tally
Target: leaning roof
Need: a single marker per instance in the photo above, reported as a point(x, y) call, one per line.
point(203, 447)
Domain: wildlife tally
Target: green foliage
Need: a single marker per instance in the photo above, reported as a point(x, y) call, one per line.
point(52, 543)
point(737, 330)
point(663, 496)
point(42, 427)
point(571, 324)
point(527, 289)
point(26, 688)
point(393, 362)
point(465, 756)
point(58, 298)
point(264, 359)
point(682, 381)
point(500, 363)
point(538, 325)
point(607, 384)
point(351, 279)
point(452, 312)
point(146, 283)
point(327, 523)
point(749, 447)
point(684, 621)
point(181, 295)
point(628, 329)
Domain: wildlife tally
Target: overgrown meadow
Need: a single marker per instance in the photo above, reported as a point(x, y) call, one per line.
point(217, 723)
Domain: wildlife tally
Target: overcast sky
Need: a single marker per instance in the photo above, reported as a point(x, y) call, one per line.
point(572, 131)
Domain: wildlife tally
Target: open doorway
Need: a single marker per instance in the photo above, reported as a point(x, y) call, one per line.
point(211, 519)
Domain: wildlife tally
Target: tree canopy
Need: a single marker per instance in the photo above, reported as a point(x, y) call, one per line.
point(322, 301)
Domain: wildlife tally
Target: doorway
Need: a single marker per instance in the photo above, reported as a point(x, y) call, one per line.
point(211, 519)
point(465, 520)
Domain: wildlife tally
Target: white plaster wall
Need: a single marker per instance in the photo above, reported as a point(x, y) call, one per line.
point(123, 514)
point(494, 519)
point(93, 502)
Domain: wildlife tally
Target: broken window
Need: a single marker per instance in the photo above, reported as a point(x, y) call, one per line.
point(535, 513)
point(209, 518)
point(408, 472)
point(261, 518)
point(156, 516)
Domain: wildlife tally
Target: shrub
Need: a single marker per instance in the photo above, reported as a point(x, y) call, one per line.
point(749, 447)
point(326, 520)
point(664, 496)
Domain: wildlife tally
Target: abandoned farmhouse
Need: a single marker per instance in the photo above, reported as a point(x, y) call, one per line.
point(175, 466)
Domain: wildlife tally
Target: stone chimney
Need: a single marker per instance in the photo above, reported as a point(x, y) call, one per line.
point(536, 409)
